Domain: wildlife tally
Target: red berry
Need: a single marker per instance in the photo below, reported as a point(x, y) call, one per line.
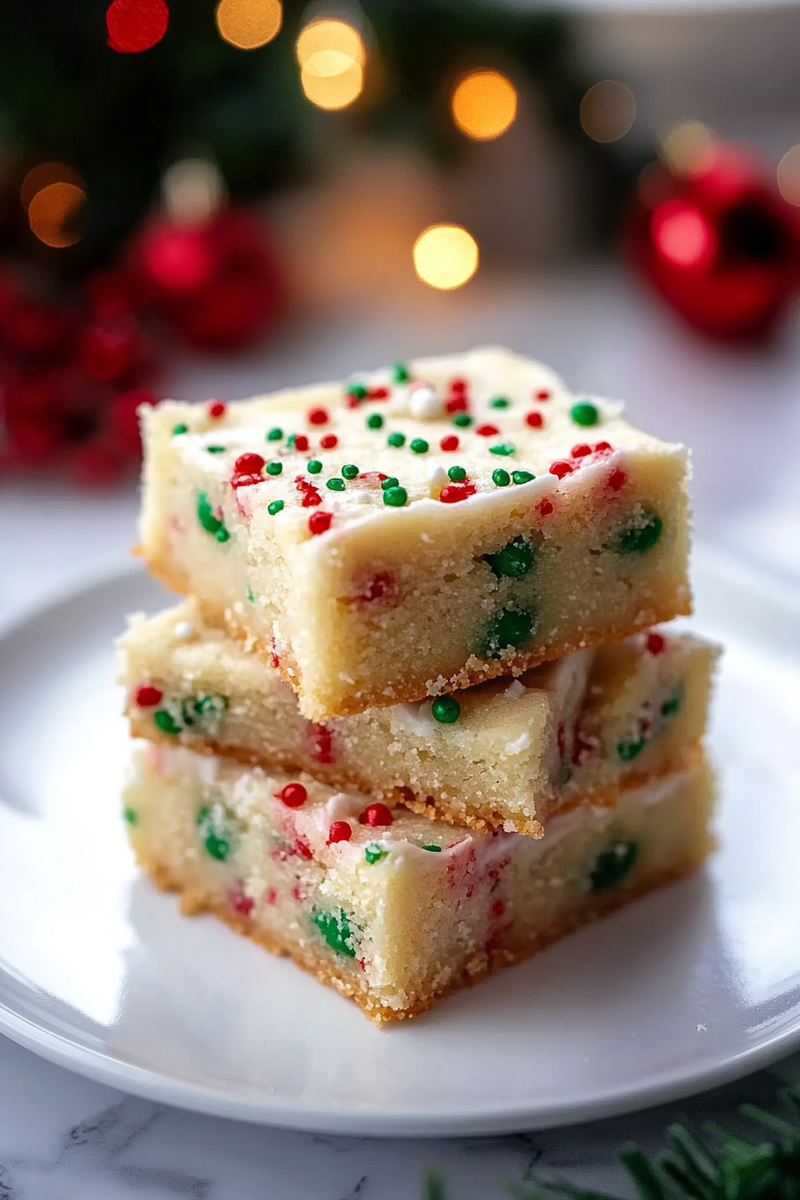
point(458, 386)
point(656, 643)
point(248, 464)
point(329, 442)
point(378, 393)
point(581, 450)
point(486, 430)
point(617, 479)
point(318, 416)
point(217, 408)
point(604, 448)
point(455, 403)
point(545, 507)
point(319, 522)
point(376, 814)
point(294, 795)
point(535, 420)
point(543, 394)
point(340, 831)
point(453, 492)
point(449, 443)
point(146, 696)
point(561, 468)
point(240, 902)
point(301, 442)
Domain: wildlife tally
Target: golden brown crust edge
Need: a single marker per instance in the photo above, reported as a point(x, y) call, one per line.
point(194, 902)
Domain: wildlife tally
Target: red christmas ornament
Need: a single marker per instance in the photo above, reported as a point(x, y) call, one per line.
point(720, 244)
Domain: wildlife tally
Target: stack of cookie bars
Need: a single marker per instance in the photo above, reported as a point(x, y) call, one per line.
point(412, 721)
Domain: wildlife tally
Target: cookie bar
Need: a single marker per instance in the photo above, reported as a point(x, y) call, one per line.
point(385, 906)
point(501, 754)
point(417, 529)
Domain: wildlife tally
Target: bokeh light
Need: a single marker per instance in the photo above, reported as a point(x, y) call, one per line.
point(608, 111)
point(55, 212)
point(136, 25)
point(686, 147)
point(682, 235)
point(331, 56)
point(43, 175)
point(789, 176)
point(484, 105)
point(445, 256)
point(193, 190)
point(248, 24)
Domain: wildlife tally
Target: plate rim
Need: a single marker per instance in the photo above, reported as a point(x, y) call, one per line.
point(111, 1070)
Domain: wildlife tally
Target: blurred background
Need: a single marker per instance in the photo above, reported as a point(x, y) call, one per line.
point(210, 200)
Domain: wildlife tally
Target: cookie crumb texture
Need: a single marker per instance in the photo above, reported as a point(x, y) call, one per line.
point(404, 910)
point(402, 535)
point(504, 754)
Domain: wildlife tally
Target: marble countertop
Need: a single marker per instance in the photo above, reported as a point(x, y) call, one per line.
point(63, 1137)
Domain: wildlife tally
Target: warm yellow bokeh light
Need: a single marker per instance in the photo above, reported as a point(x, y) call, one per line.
point(686, 147)
point(445, 256)
point(248, 24)
point(43, 175)
point(608, 111)
point(193, 190)
point(484, 105)
point(54, 214)
point(789, 176)
point(331, 56)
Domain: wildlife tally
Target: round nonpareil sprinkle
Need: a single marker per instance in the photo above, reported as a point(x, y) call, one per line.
point(446, 710)
point(350, 471)
point(375, 421)
point(395, 497)
point(357, 390)
point(500, 402)
point(318, 416)
point(462, 420)
point(314, 466)
point(585, 413)
point(217, 409)
point(396, 440)
point(376, 814)
point(274, 507)
point(274, 468)
point(340, 831)
point(535, 420)
point(293, 795)
point(457, 474)
point(329, 442)
point(319, 522)
point(275, 434)
point(335, 484)
point(503, 448)
point(454, 492)
point(449, 443)
point(581, 450)
point(400, 373)
point(561, 468)
point(419, 446)
point(215, 449)
point(486, 430)
point(389, 482)
point(249, 463)
point(147, 696)
point(373, 853)
point(656, 643)
point(180, 428)
point(501, 478)
point(543, 394)
point(522, 476)
point(299, 441)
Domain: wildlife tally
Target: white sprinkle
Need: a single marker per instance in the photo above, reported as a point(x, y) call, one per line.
point(702, 1029)
point(520, 743)
point(515, 690)
point(437, 478)
point(184, 630)
point(425, 404)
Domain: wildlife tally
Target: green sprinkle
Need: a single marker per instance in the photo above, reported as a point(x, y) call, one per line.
point(165, 721)
point(290, 440)
point(522, 476)
point(216, 832)
point(251, 594)
point(673, 704)
point(314, 466)
point(210, 704)
point(373, 853)
point(433, 849)
point(180, 428)
point(500, 402)
point(391, 482)
point(400, 373)
point(462, 420)
point(514, 560)
point(335, 484)
point(216, 449)
point(446, 710)
point(509, 628)
point(456, 474)
point(222, 535)
point(395, 497)
point(274, 468)
point(504, 448)
point(274, 507)
point(130, 815)
point(396, 439)
point(374, 421)
point(585, 413)
point(350, 471)
point(419, 446)
point(501, 477)
point(638, 539)
point(205, 514)
point(275, 434)
point(612, 865)
point(335, 928)
point(358, 390)
point(628, 751)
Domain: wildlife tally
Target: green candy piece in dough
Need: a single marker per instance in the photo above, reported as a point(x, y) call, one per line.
point(217, 831)
point(373, 853)
point(211, 523)
point(130, 815)
point(673, 703)
point(628, 751)
point(510, 627)
point(164, 720)
point(335, 928)
point(206, 708)
point(612, 865)
point(638, 539)
point(515, 559)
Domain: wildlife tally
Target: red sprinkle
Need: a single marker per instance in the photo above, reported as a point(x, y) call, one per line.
point(301, 442)
point(458, 386)
point(656, 643)
point(319, 522)
point(273, 654)
point(311, 496)
point(545, 507)
point(246, 480)
point(498, 909)
point(604, 448)
point(456, 404)
point(240, 902)
point(294, 795)
point(453, 492)
point(373, 476)
point(317, 416)
point(486, 430)
point(217, 408)
point(323, 744)
point(272, 896)
point(329, 441)
point(378, 393)
point(248, 464)
point(535, 420)
point(581, 450)
point(146, 696)
point(561, 468)
point(376, 814)
point(617, 479)
point(449, 443)
point(352, 401)
point(544, 394)
point(340, 831)
point(302, 848)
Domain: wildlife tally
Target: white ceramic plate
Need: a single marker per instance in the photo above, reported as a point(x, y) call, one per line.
point(686, 989)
